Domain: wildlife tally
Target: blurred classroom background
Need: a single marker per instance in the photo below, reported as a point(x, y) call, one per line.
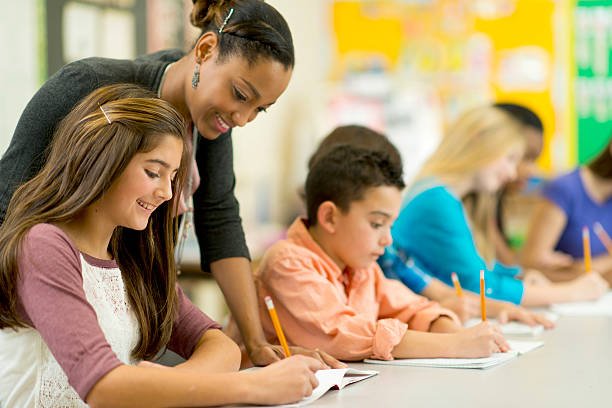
point(403, 67)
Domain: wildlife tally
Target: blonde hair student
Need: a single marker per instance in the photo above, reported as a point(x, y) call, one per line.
point(88, 280)
point(328, 290)
point(478, 154)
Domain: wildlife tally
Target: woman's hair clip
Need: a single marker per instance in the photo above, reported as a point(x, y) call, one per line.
point(105, 115)
point(226, 19)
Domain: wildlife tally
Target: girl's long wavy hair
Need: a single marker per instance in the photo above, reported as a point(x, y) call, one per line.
point(87, 155)
point(476, 139)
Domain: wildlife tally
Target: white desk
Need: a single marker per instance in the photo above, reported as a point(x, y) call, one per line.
point(572, 369)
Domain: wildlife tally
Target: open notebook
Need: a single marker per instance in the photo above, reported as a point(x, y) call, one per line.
point(332, 379)
point(601, 307)
point(518, 347)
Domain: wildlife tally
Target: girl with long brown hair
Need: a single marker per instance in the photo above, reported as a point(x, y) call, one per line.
point(88, 281)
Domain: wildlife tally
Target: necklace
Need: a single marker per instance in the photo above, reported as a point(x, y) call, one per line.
point(187, 218)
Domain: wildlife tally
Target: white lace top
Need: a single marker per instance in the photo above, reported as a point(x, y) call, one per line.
point(80, 324)
point(35, 379)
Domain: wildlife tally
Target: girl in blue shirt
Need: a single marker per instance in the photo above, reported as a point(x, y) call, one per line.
point(477, 155)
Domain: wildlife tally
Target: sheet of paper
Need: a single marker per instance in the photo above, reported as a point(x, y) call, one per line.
point(601, 307)
point(328, 379)
point(512, 328)
point(353, 375)
point(523, 347)
point(518, 347)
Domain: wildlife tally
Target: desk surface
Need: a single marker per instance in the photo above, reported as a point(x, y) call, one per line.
point(572, 369)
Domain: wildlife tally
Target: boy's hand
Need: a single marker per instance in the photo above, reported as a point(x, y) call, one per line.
point(479, 341)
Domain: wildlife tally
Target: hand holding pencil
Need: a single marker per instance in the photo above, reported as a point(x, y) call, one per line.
point(325, 359)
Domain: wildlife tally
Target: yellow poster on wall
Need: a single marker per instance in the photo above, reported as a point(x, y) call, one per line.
point(470, 51)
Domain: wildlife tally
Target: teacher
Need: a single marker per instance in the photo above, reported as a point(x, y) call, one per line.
point(240, 65)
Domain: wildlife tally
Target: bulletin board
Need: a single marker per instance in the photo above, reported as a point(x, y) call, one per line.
point(471, 52)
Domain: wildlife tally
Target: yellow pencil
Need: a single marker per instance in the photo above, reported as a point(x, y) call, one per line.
point(586, 243)
point(483, 309)
point(603, 236)
point(456, 283)
point(277, 326)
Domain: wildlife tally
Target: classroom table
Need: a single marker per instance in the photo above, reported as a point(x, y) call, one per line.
point(572, 369)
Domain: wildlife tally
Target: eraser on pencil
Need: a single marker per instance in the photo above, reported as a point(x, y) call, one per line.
point(482, 274)
point(597, 228)
point(269, 303)
point(454, 277)
point(585, 232)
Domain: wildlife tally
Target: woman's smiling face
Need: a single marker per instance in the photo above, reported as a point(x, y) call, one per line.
point(233, 91)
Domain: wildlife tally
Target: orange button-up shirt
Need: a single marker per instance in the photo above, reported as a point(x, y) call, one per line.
point(355, 315)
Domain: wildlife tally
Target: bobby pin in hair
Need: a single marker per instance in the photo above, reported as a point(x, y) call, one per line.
point(105, 115)
point(226, 19)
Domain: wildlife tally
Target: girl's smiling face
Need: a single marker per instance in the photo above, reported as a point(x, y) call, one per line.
point(232, 92)
point(144, 185)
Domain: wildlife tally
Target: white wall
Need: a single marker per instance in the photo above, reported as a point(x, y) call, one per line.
point(271, 153)
point(19, 75)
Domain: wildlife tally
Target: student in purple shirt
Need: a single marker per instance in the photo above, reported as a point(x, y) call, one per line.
point(574, 200)
point(88, 288)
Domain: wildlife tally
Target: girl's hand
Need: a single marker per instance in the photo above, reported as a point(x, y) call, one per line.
point(465, 307)
point(535, 278)
point(589, 286)
point(282, 382)
point(556, 259)
point(520, 314)
point(479, 341)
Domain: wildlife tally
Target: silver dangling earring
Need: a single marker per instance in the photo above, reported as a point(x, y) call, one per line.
point(196, 77)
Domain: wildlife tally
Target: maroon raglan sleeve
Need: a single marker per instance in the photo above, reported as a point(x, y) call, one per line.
point(52, 300)
point(190, 324)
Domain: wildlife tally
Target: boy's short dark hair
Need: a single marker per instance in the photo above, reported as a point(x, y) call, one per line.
point(344, 173)
point(356, 135)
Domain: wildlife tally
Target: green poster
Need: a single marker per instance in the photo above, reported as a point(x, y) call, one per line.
point(593, 76)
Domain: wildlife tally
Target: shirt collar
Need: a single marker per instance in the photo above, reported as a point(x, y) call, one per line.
point(299, 235)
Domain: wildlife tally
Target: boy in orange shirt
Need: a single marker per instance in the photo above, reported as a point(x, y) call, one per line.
point(328, 290)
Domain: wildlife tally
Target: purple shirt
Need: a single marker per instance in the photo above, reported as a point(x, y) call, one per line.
point(569, 194)
point(52, 300)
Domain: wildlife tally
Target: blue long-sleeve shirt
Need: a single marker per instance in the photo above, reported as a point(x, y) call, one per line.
point(433, 230)
point(397, 265)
